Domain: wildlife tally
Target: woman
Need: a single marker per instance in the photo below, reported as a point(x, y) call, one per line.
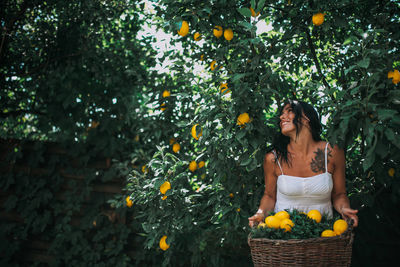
point(302, 171)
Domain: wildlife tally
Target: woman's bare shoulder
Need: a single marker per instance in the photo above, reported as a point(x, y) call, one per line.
point(269, 158)
point(334, 148)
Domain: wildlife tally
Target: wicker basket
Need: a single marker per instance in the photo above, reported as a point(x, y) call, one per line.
point(322, 251)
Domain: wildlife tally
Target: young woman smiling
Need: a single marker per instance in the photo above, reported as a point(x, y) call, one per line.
point(302, 171)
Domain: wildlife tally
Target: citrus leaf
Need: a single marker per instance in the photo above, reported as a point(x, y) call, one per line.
point(244, 11)
point(364, 63)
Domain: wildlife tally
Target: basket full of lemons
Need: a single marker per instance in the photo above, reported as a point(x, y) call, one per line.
point(294, 238)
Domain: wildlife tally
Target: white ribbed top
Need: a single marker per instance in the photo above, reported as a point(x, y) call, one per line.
point(305, 193)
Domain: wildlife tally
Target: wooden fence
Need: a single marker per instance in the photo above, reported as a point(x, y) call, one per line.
point(35, 249)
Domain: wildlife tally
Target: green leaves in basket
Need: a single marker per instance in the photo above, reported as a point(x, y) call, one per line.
point(303, 228)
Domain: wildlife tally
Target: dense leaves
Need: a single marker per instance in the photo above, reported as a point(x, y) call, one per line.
point(78, 72)
point(341, 67)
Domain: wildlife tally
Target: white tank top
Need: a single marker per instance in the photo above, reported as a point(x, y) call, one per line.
point(305, 193)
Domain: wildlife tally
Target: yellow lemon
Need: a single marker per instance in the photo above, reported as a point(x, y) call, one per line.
point(197, 36)
point(238, 209)
point(176, 147)
point(391, 172)
point(166, 93)
point(164, 197)
point(315, 215)
point(201, 164)
point(272, 222)
point(286, 224)
point(193, 166)
point(231, 195)
point(184, 28)
point(202, 57)
point(263, 225)
point(243, 118)
point(213, 65)
point(162, 106)
point(395, 75)
point(217, 31)
point(165, 187)
point(163, 244)
point(281, 215)
point(129, 201)
point(340, 226)
point(194, 132)
point(228, 34)
point(253, 13)
point(318, 19)
point(328, 233)
point(145, 169)
point(224, 88)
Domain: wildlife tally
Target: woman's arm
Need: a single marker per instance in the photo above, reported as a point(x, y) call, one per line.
point(267, 202)
point(340, 200)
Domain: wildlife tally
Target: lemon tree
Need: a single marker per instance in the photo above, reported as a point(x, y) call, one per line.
point(342, 57)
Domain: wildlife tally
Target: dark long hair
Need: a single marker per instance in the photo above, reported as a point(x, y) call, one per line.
point(281, 141)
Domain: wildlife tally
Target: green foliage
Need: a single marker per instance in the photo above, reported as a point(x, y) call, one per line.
point(340, 67)
point(78, 73)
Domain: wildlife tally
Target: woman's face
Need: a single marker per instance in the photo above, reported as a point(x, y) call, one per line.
point(286, 120)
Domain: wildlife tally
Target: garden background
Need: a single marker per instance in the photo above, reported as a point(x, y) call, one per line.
point(95, 94)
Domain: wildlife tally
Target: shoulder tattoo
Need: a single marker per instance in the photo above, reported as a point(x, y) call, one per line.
point(318, 162)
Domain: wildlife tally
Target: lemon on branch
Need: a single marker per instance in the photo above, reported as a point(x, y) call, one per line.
point(243, 119)
point(213, 65)
point(391, 172)
point(318, 19)
point(145, 169)
point(192, 166)
point(165, 187)
point(201, 164)
point(395, 76)
point(163, 244)
point(217, 31)
point(194, 132)
point(176, 147)
point(166, 93)
point(197, 36)
point(228, 34)
point(129, 202)
point(163, 107)
point(224, 88)
point(184, 28)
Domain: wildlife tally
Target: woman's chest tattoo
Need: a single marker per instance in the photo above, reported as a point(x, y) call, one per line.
point(318, 162)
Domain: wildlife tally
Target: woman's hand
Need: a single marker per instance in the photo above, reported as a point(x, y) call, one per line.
point(256, 219)
point(348, 213)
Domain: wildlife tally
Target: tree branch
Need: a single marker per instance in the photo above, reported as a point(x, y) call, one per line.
point(316, 62)
point(10, 24)
point(16, 113)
